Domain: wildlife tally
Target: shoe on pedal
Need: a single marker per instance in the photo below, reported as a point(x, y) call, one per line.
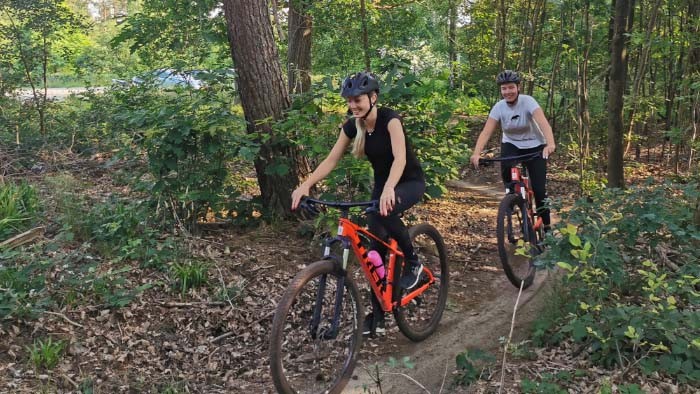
point(411, 275)
point(367, 324)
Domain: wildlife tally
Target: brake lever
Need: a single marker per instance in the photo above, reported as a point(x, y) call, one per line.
point(374, 208)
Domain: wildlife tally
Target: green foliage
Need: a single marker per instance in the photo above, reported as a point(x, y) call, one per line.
point(76, 276)
point(22, 286)
point(45, 354)
point(190, 275)
point(547, 384)
point(87, 386)
point(29, 29)
point(232, 293)
point(178, 31)
point(471, 366)
point(441, 146)
point(631, 281)
point(334, 53)
point(118, 227)
point(19, 207)
point(188, 138)
point(405, 362)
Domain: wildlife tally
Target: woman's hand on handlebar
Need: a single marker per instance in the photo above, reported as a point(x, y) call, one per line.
point(475, 160)
point(548, 150)
point(298, 193)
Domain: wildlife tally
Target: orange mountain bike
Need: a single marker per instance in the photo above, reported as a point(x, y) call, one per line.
point(317, 328)
point(519, 229)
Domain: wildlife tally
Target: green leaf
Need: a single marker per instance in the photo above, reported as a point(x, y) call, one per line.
point(565, 266)
point(574, 240)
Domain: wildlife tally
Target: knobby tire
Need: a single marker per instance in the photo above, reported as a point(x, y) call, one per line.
point(512, 213)
point(304, 363)
point(418, 319)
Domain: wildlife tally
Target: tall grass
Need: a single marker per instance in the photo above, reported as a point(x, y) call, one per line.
point(18, 208)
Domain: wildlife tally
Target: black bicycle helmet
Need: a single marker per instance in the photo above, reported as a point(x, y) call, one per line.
point(359, 84)
point(508, 76)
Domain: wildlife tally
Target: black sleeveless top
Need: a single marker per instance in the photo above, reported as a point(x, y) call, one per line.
point(378, 149)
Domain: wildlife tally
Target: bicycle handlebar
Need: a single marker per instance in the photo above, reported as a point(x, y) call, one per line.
point(520, 158)
point(309, 204)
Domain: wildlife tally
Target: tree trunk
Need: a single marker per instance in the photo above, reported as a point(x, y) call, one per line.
point(365, 36)
point(501, 33)
point(299, 53)
point(618, 77)
point(264, 96)
point(692, 68)
point(451, 37)
point(276, 17)
point(525, 35)
point(536, 43)
point(641, 71)
point(584, 115)
point(553, 76)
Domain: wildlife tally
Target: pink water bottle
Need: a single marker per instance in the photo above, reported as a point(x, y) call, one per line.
point(377, 262)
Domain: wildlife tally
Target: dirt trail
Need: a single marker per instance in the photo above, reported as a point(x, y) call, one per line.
point(476, 324)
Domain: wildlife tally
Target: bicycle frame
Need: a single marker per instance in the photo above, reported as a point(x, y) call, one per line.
point(383, 288)
point(349, 235)
point(520, 184)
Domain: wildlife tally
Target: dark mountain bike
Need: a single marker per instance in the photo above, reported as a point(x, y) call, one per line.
point(519, 229)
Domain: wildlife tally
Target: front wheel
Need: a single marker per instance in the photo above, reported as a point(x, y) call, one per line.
point(517, 243)
point(420, 317)
point(316, 336)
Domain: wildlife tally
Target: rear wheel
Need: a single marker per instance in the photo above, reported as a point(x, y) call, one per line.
point(517, 242)
point(420, 317)
point(308, 353)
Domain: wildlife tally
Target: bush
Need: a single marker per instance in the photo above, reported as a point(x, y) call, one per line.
point(631, 281)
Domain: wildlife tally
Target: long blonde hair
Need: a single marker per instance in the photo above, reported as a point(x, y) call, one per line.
point(358, 145)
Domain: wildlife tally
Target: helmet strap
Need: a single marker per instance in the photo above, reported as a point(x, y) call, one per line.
point(371, 105)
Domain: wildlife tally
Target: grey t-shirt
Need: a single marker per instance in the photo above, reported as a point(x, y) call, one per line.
point(519, 128)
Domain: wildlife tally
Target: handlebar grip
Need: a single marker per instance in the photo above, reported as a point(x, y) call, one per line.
point(308, 206)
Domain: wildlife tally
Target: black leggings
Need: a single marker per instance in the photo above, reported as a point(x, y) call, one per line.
point(407, 194)
point(536, 168)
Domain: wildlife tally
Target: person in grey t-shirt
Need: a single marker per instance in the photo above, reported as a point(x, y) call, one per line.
point(525, 130)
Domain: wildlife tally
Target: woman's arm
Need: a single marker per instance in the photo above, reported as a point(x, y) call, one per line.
point(543, 123)
point(484, 137)
point(323, 169)
point(398, 149)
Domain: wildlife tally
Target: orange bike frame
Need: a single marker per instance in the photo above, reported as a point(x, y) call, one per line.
point(383, 288)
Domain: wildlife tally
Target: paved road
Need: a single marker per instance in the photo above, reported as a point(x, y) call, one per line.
point(56, 93)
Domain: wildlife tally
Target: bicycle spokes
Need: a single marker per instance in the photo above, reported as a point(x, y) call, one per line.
point(514, 236)
point(420, 309)
point(314, 339)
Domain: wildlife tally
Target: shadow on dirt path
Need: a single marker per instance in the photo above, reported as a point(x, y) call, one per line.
point(478, 315)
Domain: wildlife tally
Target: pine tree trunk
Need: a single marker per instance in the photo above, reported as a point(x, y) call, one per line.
point(264, 96)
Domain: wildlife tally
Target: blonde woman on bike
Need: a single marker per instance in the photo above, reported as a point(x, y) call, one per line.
point(399, 182)
point(525, 130)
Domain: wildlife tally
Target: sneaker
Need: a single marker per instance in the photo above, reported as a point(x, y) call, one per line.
point(411, 276)
point(367, 325)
